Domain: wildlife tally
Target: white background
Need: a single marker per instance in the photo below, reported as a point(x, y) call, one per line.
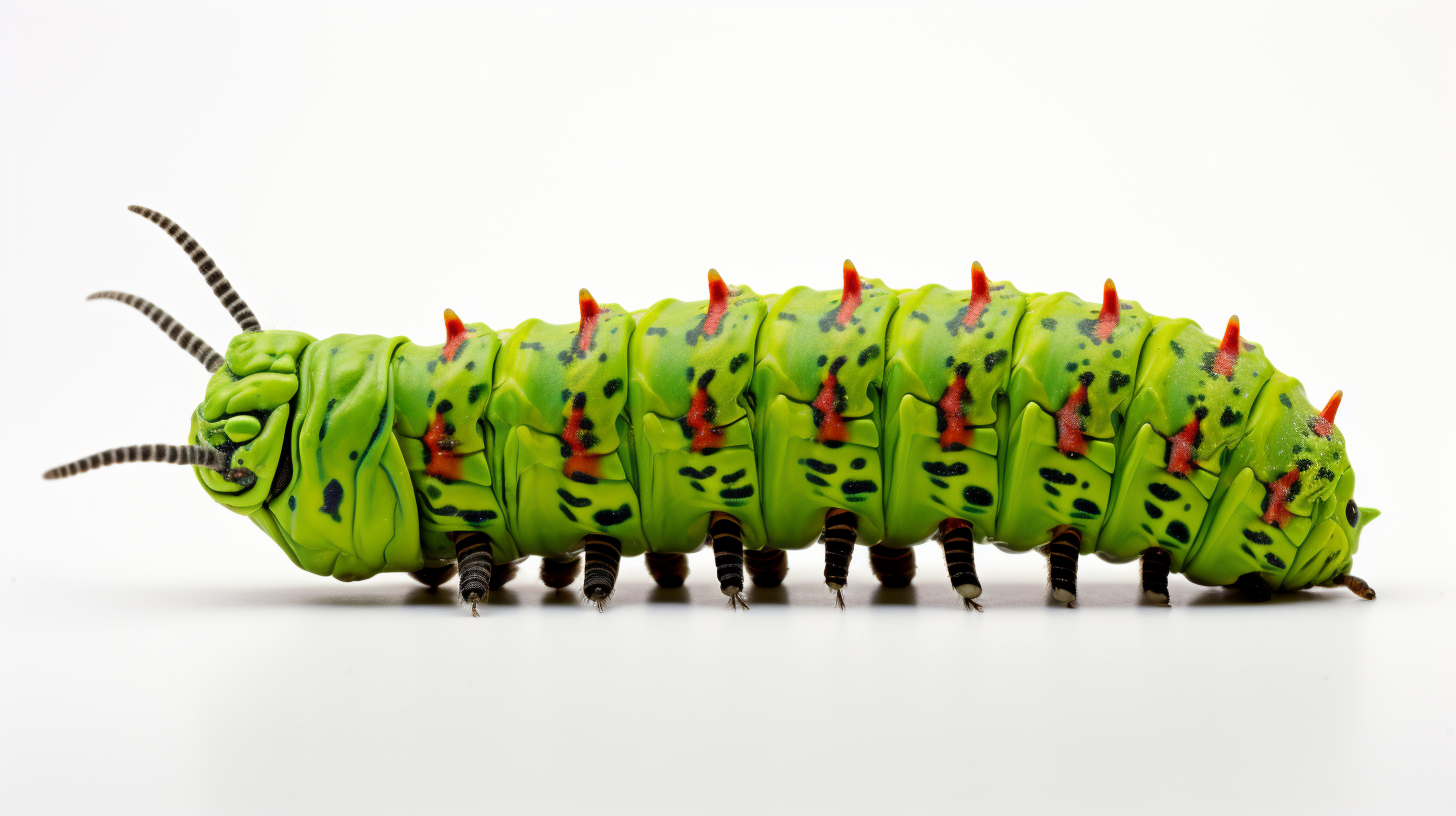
point(359, 167)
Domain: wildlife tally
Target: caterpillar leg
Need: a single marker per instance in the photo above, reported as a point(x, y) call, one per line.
point(956, 539)
point(894, 566)
point(766, 567)
point(474, 558)
point(433, 577)
point(1253, 587)
point(727, 535)
point(501, 574)
point(840, 531)
point(1357, 586)
point(669, 570)
point(559, 573)
point(603, 556)
point(1062, 554)
point(1155, 564)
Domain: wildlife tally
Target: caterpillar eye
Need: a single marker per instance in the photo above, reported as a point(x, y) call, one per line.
point(1352, 513)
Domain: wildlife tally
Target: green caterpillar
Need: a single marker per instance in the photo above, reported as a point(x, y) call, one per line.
point(762, 423)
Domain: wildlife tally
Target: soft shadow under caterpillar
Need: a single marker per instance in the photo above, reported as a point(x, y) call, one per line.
point(762, 423)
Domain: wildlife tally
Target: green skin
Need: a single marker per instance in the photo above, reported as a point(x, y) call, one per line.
point(368, 451)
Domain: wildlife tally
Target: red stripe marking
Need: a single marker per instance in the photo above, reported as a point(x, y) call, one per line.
point(1278, 514)
point(717, 302)
point(1180, 457)
point(1228, 350)
point(1069, 423)
point(1111, 313)
point(980, 295)
point(956, 429)
point(704, 434)
point(580, 461)
point(832, 426)
point(852, 297)
point(442, 462)
point(588, 327)
point(455, 334)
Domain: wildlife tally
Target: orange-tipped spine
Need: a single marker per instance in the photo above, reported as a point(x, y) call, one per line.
point(1228, 350)
point(588, 326)
point(852, 297)
point(1111, 313)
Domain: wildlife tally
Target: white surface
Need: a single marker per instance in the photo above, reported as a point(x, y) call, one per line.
point(357, 169)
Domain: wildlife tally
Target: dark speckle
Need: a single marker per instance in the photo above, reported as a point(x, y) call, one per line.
point(1274, 560)
point(855, 486)
point(1086, 506)
point(608, 518)
point(612, 387)
point(1048, 324)
point(979, 496)
point(1178, 531)
point(333, 495)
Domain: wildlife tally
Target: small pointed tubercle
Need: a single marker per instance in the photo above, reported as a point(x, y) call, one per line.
point(455, 334)
point(980, 296)
point(852, 294)
point(1228, 350)
point(588, 326)
point(718, 293)
point(1324, 424)
point(1111, 313)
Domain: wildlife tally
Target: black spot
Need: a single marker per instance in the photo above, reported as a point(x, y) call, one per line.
point(470, 366)
point(444, 407)
point(292, 502)
point(950, 362)
point(737, 363)
point(612, 387)
point(430, 366)
point(921, 316)
point(1048, 324)
point(1164, 492)
point(1153, 510)
point(737, 492)
point(691, 373)
point(1177, 350)
point(658, 330)
point(433, 492)
point(938, 483)
point(792, 318)
point(945, 471)
point(1178, 531)
point(1116, 380)
point(333, 495)
point(869, 353)
point(815, 480)
point(697, 487)
point(583, 478)
point(1086, 378)
point(477, 516)
point(1072, 366)
point(994, 358)
point(1052, 490)
point(823, 359)
point(1086, 506)
point(1284, 400)
point(574, 501)
point(697, 474)
point(1303, 464)
point(857, 464)
point(1230, 417)
point(854, 486)
point(735, 476)
point(475, 392)
point(566, 511)
point(1116, 354)
point(979, 496)
point(1245, 548)
point(1054, 475)
point(602, 358)
point(1274, 560)
point(607, 518)
point(1352, 513)
point(1258, 537)
point(533, 346)
point(565, 394)
point(821, 467)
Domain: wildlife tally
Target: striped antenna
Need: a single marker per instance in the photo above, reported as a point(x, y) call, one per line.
point(214, 277)
point(171, 454)
point(190, 343)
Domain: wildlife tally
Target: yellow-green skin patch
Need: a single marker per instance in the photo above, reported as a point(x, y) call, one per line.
point(1057, 353)
point(541, 377)
point(673, 356)
point(801, 344)
point(930, 348)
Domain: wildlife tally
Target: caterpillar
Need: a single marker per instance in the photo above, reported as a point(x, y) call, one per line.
point(757, 424)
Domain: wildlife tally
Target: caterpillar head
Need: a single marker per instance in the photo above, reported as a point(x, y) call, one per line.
point(237, 438)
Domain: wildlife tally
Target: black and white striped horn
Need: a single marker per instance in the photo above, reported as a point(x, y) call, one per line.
point(190, 343)
point(171, 454)
point(205, 264)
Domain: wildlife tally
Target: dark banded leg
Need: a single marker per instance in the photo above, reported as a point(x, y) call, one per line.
point(502, 574)
point(957, 537)
point(558, 573)
point(1155, 575)
point(669, 570)
point(727, 535)
point(1062, 554)
point(840, 531)
point(433, 577)
point(766, 567)
point(894, 566)
point(603, 556)
point(1253, 587)
point(474, 558)
point(1357, 586)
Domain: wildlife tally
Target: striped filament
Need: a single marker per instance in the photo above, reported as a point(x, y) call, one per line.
point(766, 567)
point(669, 570)
point(474, 559)
point(894, 566)
point(221, 288)
point(603, 556)
point(190, 343)
point(840, 531)
point(727, 535)
point(956, 540)
point(171, 454)
point(1062, 554)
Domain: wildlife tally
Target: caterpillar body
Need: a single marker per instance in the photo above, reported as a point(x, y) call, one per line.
point(764, 423)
